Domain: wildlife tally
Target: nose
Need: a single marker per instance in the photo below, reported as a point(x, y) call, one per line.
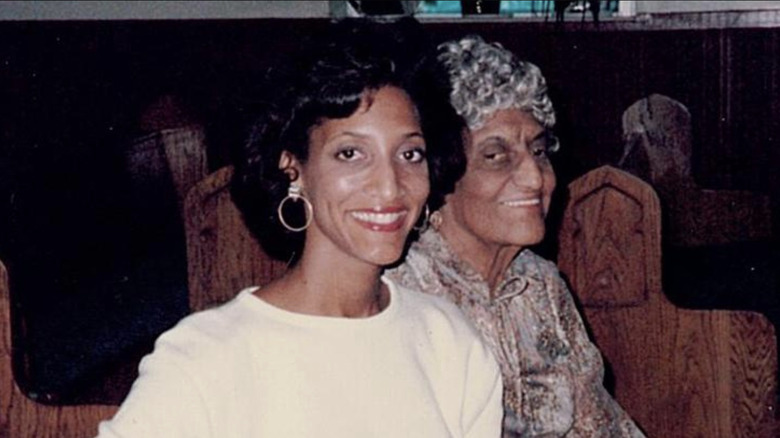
point(384, 182)
point(528, 174)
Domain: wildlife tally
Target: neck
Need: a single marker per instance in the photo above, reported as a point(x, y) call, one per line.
point(328, 283)
point(491, 260)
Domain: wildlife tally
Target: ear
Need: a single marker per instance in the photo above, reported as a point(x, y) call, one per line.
point(290, 165)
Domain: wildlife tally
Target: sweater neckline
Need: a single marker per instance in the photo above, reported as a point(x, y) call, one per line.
point(259, 305)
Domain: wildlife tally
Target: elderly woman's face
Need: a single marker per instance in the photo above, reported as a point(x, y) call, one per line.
point(367, 179)
point(504, 195)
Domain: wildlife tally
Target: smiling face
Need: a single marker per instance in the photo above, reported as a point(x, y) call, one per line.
point(504, 196)
point(367, 180)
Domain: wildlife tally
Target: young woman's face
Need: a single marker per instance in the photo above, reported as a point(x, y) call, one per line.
point(504, 195)
point(367, 179)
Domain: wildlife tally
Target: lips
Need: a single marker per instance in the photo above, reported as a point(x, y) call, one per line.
point(387, 219)
point(527, 202)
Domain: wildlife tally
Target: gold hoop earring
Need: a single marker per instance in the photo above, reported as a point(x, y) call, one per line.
point(294, 194)
point(435, 220)
point(424, 225)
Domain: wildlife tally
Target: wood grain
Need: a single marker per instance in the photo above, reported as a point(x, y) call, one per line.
point(222, 256)
point(678, 372)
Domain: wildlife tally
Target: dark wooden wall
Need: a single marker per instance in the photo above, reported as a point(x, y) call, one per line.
point(729, 80)
point(72, 93)
point(69, 87)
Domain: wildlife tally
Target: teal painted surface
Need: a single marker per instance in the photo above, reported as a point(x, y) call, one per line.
point(509, 7)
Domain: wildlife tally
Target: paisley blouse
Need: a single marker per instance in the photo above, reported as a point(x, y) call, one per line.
point(553, 374)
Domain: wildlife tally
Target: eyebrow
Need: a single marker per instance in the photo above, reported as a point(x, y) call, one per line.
point(415, 134)
point(350, 134)
point(358, 134)
point(353, 134)
point(506, 134)
point(492, 138)
point(541, 135)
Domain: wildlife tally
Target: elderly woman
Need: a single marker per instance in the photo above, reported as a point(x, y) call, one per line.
point(476, 251)
point(339, 167)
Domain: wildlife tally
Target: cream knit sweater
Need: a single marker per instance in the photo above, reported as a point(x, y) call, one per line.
point(248, 369)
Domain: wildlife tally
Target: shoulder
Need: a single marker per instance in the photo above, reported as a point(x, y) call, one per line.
point(416, 272)
point(204, 337)
point(192, 373)
point(545, 279)
point(530, 263)
point(428, 266)
point(218, 323)
point(440, 327)
point(435, 314)
point(538, 270)
point(425, 303)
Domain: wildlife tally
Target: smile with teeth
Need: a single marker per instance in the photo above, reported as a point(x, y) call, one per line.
point(522, 202)
point(380, 220)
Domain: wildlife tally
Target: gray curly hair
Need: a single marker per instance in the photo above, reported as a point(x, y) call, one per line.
point(487, 77)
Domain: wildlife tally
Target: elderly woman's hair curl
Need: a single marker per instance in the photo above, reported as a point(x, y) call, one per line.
point(487, 77)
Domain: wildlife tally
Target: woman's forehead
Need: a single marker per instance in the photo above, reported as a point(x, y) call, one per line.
point(509, 122)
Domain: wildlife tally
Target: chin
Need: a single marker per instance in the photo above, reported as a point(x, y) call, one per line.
point(527, 238)
point(385, 257)
point(385, 251)
point(384, 262)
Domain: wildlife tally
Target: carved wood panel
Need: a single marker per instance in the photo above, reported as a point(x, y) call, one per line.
point(678, 372)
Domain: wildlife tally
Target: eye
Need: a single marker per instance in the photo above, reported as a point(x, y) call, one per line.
point(414, 155)
point(495, 154)
point(539, 150)
point(544, 146)
point(348, 153)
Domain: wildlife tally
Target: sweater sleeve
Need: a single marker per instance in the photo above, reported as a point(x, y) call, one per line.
point(482, 405)
point(165, 401)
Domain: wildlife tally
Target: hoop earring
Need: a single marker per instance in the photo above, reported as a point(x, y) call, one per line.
point(294, 194)
point(424, 225)
point(435, 220)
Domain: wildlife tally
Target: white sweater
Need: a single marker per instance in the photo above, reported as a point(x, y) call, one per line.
point(249, 369)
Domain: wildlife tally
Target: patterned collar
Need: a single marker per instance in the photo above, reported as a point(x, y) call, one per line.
point(523, 270)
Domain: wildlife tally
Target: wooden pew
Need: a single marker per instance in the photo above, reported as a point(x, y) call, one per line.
point(174, 156)
point(21, 417)
point(658, 149)
point(678, 372)
point(222, 256)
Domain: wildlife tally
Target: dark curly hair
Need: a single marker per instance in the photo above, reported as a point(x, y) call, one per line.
point(329, 81)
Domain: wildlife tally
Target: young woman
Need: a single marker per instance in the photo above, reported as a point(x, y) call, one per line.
point(334, 177)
